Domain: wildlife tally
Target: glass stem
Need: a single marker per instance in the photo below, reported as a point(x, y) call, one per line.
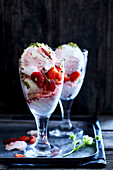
point(65, 110)
point(42, 140)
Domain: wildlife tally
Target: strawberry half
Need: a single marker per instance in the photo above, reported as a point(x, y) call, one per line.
point(66, 78)
point(50, 85)
point(7, 141)
point(74, 76)
point(38, 78)
point(24, 138)
point(19, 155)
point(51, 74)
point(58, 68)
point(54, 74)
point(33, 139)
point(59, 76)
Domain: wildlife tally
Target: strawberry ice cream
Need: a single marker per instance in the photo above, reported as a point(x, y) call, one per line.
point(41, 77)
point(20, 145)
point(74, 69)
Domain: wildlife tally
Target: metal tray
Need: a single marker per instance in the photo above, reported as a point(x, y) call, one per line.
point(17, 128)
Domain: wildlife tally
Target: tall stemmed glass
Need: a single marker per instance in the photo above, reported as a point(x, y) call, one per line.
point(69, 92)
point(42, 106)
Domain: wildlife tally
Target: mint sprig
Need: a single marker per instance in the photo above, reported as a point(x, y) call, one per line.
point(87, 140)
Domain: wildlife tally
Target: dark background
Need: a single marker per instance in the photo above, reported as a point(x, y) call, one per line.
point(89, 23)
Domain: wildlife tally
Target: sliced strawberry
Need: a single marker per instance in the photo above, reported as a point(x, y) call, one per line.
point(32, 137)
point(58, 68)
point(66, 78)
point(58, 83)
point(33, 140)
point(18, 155)
point(74, 76)
point(54, 74)
point(59, 76)
point(46, 52)
point(24, 138)
point(50, 85)
point(38, 78)
point(7, 141)
point(51, 74)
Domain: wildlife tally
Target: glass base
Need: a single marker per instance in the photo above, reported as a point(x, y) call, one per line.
point(58, 132)
point(32, 151)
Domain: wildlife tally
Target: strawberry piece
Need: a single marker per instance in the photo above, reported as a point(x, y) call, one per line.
point(7, 141)
point(46, 52)
point(58, 69)
point(51, 74)
point(32, 137)
point(24, 138)
point(38, 78)
point(54, 74)
point(33, 140)
point(66, 78)
point(50, 85)
point(19, 155)
point(59, 76)
point(74, 76)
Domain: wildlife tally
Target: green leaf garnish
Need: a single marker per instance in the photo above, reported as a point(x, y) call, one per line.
point(87, 140)
point(73, 137)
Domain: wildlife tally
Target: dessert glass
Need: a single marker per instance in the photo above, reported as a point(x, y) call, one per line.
point(42, 106)
point(69, 92)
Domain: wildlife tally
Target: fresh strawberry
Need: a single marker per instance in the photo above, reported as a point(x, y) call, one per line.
point(38, 78)
point(50, 85)
point(33, 140)
point(74, 76)
point(32, 137)
point(19, 155)
point(59, 76)
point(66, 78)
point(51, 74)
point(7, 141)
point(54, 74)
point(24, 138)
point(58, 69)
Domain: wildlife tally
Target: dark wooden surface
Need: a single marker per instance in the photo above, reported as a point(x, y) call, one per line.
point(106, 123)
point(88, 23)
